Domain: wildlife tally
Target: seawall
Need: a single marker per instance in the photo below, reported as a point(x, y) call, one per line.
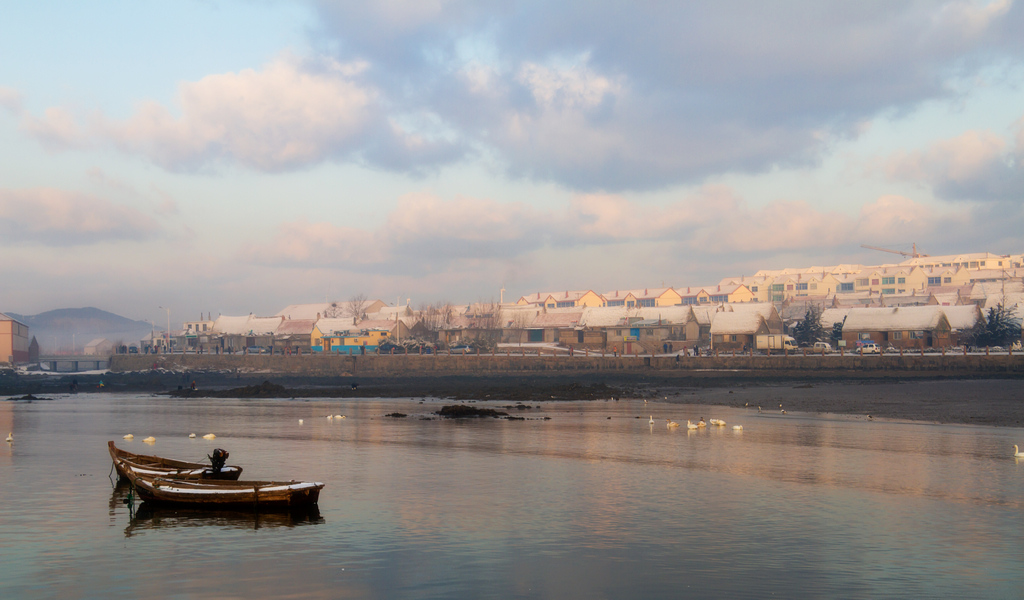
point(929, 365)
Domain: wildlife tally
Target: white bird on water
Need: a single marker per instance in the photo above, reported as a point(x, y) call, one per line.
point(150, 440)
point(300, 421)
point(671, 423)
point(191, 436)
point(690, 425)
point(209, 436)
point(737, 427)
point(129, 437)
point(651, 421)
point(1016, 450)
point(10, 437)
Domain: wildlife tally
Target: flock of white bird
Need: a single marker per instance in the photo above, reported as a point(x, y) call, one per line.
point(698, 425)
point(151, 439)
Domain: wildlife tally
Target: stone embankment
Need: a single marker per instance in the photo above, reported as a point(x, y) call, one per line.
point(733, 367)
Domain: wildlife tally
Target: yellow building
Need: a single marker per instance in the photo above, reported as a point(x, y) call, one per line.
point(14, 340)
point(567, 299)
point(644, 298)
point(340, 336)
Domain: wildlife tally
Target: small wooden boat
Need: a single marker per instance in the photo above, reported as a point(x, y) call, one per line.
point(248, 495)
point(155, 466)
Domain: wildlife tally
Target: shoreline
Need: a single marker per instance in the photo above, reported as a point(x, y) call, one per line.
point(983, 401)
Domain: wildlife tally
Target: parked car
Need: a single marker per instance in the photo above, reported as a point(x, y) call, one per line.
point(461, 349)
point(870, 349)
point(822, 347)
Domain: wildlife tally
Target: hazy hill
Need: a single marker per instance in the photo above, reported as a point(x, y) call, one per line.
point(56, 330)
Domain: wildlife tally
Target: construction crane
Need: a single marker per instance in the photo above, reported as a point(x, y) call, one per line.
point(912, 254)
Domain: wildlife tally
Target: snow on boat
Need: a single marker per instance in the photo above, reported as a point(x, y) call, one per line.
point(205, 493)
point(156, 466)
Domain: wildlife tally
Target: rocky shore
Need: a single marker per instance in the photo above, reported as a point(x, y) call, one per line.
point(942, 400)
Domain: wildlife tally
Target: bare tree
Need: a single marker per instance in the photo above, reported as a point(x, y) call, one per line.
point(357, 306)
point(437, 316)
point(333, 311)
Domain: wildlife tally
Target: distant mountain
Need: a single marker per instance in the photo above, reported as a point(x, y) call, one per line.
point(57, 330)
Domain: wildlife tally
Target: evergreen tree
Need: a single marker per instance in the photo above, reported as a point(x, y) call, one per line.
point(999, 329)
point(809, 330)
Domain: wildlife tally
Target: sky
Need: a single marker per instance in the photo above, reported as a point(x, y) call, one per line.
point(234, 157)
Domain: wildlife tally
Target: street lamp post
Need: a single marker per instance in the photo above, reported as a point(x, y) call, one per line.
point(167, 345)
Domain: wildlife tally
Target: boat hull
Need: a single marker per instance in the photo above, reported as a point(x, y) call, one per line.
point(156, 466)
point(247, 495)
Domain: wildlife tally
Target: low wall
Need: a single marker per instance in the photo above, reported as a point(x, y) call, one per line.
point(416, 365)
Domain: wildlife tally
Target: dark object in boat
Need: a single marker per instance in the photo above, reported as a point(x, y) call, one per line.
point(156, 466)
point(217, 460)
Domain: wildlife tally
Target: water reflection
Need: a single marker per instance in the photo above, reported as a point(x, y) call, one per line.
point(153, 516)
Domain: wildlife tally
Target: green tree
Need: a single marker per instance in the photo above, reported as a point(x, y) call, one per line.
point(1001, 328)
point(809, 330)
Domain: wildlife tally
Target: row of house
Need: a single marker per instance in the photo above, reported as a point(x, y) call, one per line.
point(722, 327)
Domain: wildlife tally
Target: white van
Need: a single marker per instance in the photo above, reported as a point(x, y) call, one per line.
point(822, 347)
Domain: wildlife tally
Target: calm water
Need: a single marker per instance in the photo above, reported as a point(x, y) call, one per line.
point(593, 503)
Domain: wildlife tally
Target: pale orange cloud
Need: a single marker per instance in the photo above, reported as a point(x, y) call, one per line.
point(57, 217)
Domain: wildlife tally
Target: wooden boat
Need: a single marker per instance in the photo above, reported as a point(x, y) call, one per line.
point(248, 495)
point(155, 466)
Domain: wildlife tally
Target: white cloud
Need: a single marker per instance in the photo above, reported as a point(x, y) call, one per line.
point(425, 233)
point(59, 218)
point(976, 165)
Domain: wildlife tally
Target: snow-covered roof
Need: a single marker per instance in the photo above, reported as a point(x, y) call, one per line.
point(677, 315)
point(742, 322)
point(231, 325)
point(379, 324)
point(605, 316)
point(4, 317)
point(830, 316)
point(336, 325)
point(900, 318)
point(962, 317)
point(96, 343)
point(295, 327)
point(557, 319)
point(704, 314)
point(247, 325)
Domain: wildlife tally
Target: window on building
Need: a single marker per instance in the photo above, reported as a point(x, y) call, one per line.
point(647, 302)
point(778, 297)
point(801, 286)
point(814, 286)
point(566, 304)
point(732, 338)
point(845, 287)
point(776, 287)
point(874, 282)
point(934, 281)
point(901, 280)
point(862, 282)
point(790, 287)
point(616, 303)
point(630, 304)
point(974, 264)
point(863, 336)
point(888, 290)
point(917, 335)
point(888, 280)
point(947, 280)
point(753, 288)
point(896, 335)
point(982, 263)
point(718, 339)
